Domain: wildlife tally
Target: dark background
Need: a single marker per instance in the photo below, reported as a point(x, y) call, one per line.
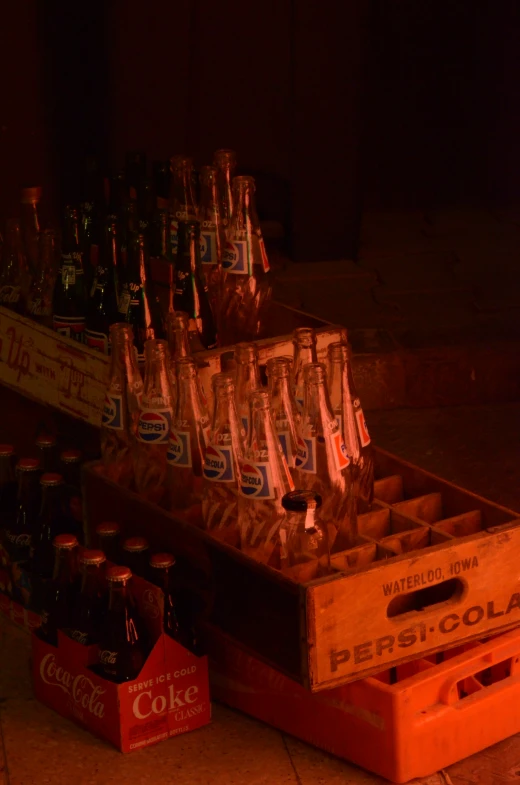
point(336, 107)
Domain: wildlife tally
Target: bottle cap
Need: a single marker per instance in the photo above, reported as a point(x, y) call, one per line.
point(6, 449)
point(108, 529)
point(92, 557)
point(338, 350)
point(161, 560)
point(71, 456)
point(33, 194)
point(298, 501)
point(50, 478)
point(279, 366)
point(45, 440)
point(118, 574)
point(65, 541)
point(28, 465)
point(245, 353)
point(135, 544)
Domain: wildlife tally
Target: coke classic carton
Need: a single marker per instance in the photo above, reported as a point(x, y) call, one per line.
point(169, 697)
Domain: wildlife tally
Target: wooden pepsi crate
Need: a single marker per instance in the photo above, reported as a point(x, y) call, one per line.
point(434, 565)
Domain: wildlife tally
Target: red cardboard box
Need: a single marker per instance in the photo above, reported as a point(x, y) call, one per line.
point(169, 697)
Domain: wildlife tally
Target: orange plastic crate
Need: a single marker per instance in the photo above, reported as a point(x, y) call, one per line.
point(407, 722)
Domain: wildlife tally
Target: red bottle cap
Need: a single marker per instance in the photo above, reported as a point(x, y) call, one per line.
point(6, 449)
point(50, 478)
point(45, 440)
point(161, 560)
point(28, 464)
point(65, 541)
point(135, 544)
point(108, 529)
point(92, 557)
point(118, 574)
point(70, 456)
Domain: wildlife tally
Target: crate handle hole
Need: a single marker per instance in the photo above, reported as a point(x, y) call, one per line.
point(447, 591)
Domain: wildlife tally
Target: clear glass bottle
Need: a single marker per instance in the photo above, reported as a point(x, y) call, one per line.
point(189, 438)
point(304, 553)
point(153, 430)
point(349, 414)
point(225, 162)
point(322, 463)
point(247, 379)
point(212, 235)
point(14, 267)
point(222, 462)
point(39, 297)
point(178, 336)
point(183, 206)
point(284, 409)
point(304, 343)
point(121, 407)
point(246, 283)
point(264, 480)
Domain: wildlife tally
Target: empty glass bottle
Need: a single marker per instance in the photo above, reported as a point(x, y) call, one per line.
point(38, 304)
point(70, 295)
point(322, 463)
point(225, 162)
point(189, 437)
point(212, 235)
point(284, 409)
point(182, 198)
point(304, 553)
point(222, 464)
point(153, 430)
point(247, 379)
point(246, 284)
point(264, 480)
point(304, 343)
point(161, 249)
point(349, 414)
point(178, 337)
point(121, 407)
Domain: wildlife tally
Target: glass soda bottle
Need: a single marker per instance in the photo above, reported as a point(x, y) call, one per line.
point(138, 304)
point(191, 293)
point(160, 233)
point(161, 176)
point(121, 407)
point(178, 336)
point(47, 449)
point(21, 525)
point(161, 570)
point(189, 437)
point(92, 600)
point(183, 206)
point(225, 162)
point(8, 485)
point(247, 379)
point(284, 409)
point(14, 267)
point(107, 538)
point(38, 304)
point(154, 425)
point(70, 468)
point(212, 235)
point(135, 554)
point(70, 296)
point(61, 592)
point(49, 524)
point(322, 463)
point(90, 221)
point(304, 343)
point(122, 652)
point(246, 284)
point(349, 414)
point(304, 553)
point(264, 480)
point(102, 310)
point(31, 224)
point(222, 461)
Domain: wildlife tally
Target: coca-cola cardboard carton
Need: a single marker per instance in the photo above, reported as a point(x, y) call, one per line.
point(169, 697)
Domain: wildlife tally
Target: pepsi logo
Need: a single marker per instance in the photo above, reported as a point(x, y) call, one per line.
point(302, 454)
point(154, 426)
point(179, 449)
point(256, 481)
point(218, 464)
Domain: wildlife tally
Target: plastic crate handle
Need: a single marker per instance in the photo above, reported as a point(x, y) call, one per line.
point(509, 652)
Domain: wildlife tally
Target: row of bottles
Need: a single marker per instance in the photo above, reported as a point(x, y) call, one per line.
point(232, 469)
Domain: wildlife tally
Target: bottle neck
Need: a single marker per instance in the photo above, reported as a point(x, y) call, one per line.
point(64, 568)
point(119, 597)
point(189, 405)
point(317, 409)
point(27, 487)
point(336, 384)
point(92, 579)
point(209, 201)
point(181, 342)
point(304, 522)
point(51, 502)
point(247, 379)
point(156, 387)
point(6, 470)
point(70, 240)
point(182, 199)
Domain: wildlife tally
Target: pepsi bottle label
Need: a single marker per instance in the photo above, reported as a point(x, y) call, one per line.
point(306, 455)
point(179, 449)
point(174, 235)
point(218, 464)
point(69, 326)
point(341, 458)
point(208, 246)
point(364, 436)
point(154, 426)
point(113, 412)
point(97, 341)
point(256, 481)
point(236, 258)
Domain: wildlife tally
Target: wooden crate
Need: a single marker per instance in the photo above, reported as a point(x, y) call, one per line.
point(434, 565)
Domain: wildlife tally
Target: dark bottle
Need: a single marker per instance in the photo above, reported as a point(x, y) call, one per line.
point(60, 593)
point(128, 225)
point(135, 171)
point(13, 267)
point(161, 182)
point(90, 213)
point(92, 601)
point(70, 461)
point(122, 651)
point(48, 525)
point(117, 197)
point(70, 297)
point(138, 304)
point(38, 304)
point(135, 553)
point(7, 485)
point(102, 310)
point(161, 249)
point(108, 540)
point(47, 449)
point(191, 292)
point(31, 224)
point(182, 204)
point(19, 531)
point(145, 207)
point(162, 566)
